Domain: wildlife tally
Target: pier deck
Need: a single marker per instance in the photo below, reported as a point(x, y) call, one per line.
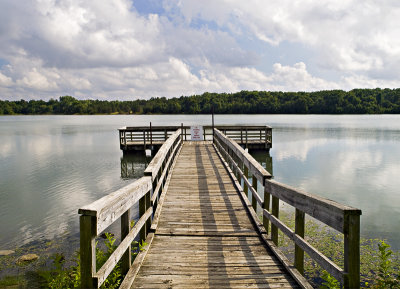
point(205, 237)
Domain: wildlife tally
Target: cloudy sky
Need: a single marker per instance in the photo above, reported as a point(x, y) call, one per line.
point(128, 49)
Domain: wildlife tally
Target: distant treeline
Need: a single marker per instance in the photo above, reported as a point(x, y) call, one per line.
point(356, 101)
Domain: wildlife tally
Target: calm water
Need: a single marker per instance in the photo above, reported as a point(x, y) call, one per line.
point(52, 165)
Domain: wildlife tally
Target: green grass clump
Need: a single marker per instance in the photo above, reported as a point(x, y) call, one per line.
point(12, 282)
point(379, 265)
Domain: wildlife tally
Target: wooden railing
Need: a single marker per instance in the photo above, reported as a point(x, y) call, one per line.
point(150, 135)
point(99, 215)
point(342, 218)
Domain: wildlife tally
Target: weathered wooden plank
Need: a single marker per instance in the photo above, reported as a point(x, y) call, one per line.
point(87, 251)
point(130, 276)
point(352, 251)
point(248, 161)
point(299, 230)
point(109, 265)
point(156, 163)
point(109, 208)
point(126, 259)
point(324, 210)
point(244, 175)
point(164, 173)
point(321, 259)
point(156, 216)
point(204, 270)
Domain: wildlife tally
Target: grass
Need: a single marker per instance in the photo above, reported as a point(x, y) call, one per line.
point(12, 282)
point(379, 265)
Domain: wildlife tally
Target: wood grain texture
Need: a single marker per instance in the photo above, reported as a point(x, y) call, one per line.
point(204, 235)
point(248, 161)
point(109, 208)
point(324, 210)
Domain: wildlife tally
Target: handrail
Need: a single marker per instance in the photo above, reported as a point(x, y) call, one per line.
point(340, 217)
point(100, 214)
point(244, 157)
point(155, 135)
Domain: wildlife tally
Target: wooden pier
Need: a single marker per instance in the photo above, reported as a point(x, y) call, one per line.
point(201, 229)
point(139, 138)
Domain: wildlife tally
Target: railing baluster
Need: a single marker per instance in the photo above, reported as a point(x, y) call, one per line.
point(125, 228)
point(246, 174)
point(87, 250)
point(352, 251)
point(299, 230)
point(253, 199)
point(275, 212)
point(142, 210)
point(148, 204)
point(267, 200)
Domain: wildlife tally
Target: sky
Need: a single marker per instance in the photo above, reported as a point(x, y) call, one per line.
point(130, 49)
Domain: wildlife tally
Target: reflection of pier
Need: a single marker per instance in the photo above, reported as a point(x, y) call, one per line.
point(264, 159)
point(133, 165)
point(140, 138)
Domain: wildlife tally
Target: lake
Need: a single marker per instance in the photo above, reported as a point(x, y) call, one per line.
point(52, 165)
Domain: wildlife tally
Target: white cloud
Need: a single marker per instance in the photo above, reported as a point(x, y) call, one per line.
point(108, 49)
point(297, 78)
point(346, 35)
point(5, 80)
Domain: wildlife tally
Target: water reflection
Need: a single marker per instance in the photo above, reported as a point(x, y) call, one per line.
point(133, 164)
point(264, 158)
point(353, 170)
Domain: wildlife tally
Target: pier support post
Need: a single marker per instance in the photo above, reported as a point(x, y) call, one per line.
point(299, 230)
point(142, 210)
point(125, 227)
point(275, 212)
point(352, 251)
point(88, 250)
point(253, 199)
point(246, 175)
point(267, 200)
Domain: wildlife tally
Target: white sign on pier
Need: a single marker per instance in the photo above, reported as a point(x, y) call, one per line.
point(196, 132)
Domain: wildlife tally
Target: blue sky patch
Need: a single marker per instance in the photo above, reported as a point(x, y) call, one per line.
point(3, 62)
point(149, 7)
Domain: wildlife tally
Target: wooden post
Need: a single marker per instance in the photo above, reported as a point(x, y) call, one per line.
point(266, 141)
point(241, 136)
point(165, 135)
point(267, 200)
point(352, 251)
point(144, 139)
point(246, 175)
point(148, 204)
point(142, 210)
point(212, 121)
point(275, 212)
point(238, 177)
point(125, 228)
point(253, 199)
point(246, 139)
point(298, 252)
point(182, 131)
point(151, 135)
point(88, 250)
